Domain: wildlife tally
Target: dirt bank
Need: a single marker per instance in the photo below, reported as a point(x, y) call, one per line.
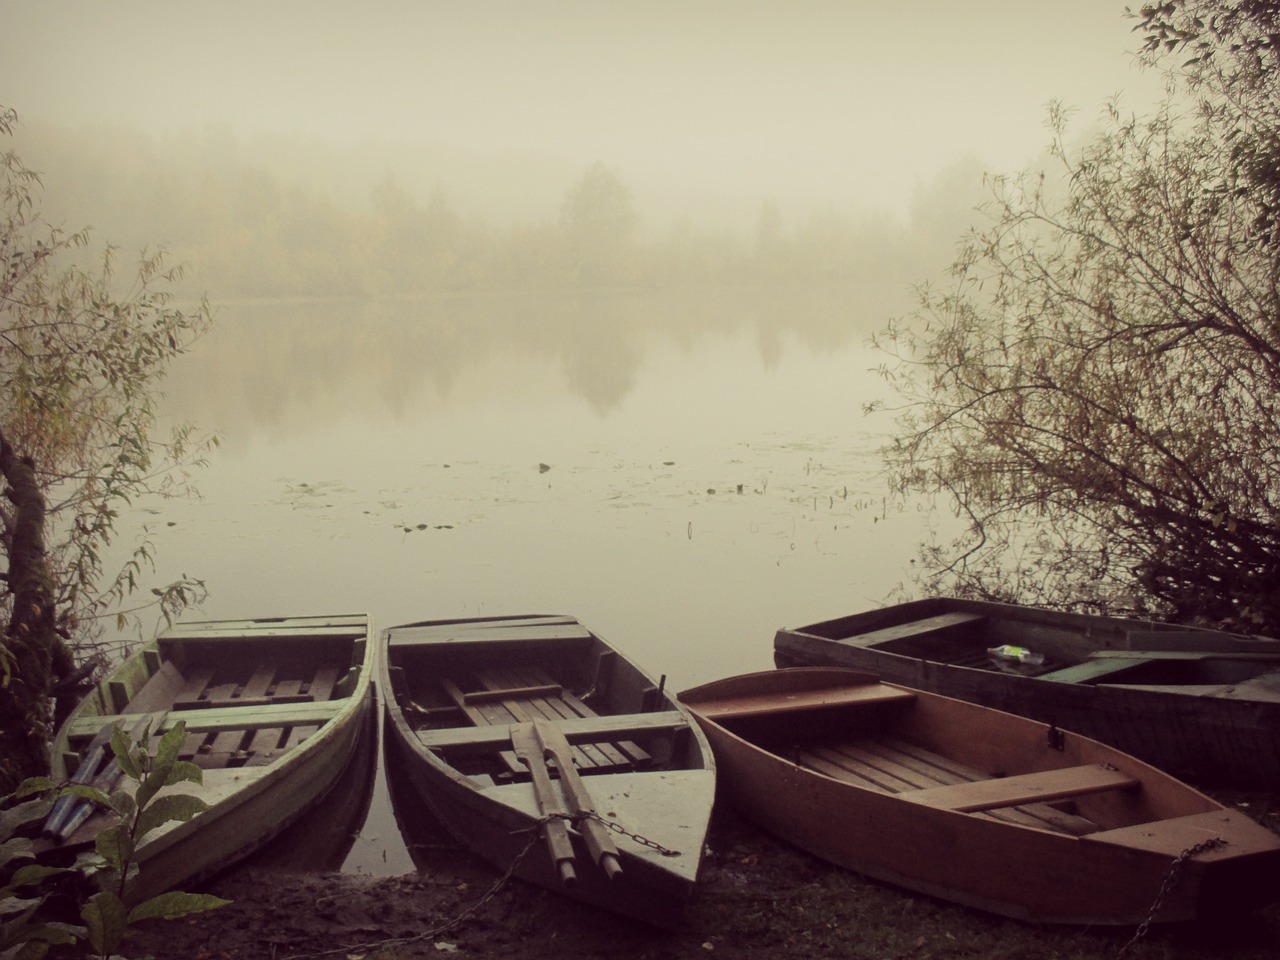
point(759, 898)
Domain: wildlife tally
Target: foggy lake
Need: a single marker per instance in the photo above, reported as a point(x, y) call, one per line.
point(673, 451)
point(683, 472)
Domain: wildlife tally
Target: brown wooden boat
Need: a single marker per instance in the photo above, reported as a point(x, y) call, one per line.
point(1201, 704)
point(974, 805)
point(549, 754)
point(274, 710)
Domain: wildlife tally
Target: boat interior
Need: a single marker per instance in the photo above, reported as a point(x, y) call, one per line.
point(934, 751)
point(963, 638)
point(245, 702)
point(462, 699)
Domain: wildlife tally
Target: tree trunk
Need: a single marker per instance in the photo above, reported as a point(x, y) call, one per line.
point(31, 637)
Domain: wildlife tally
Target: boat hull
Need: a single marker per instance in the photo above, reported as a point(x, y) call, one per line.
point(1110, 876)
point(1208, 712)
point(247, 805)
point(658, 812)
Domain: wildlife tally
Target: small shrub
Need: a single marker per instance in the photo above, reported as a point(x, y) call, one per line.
point(26, 930)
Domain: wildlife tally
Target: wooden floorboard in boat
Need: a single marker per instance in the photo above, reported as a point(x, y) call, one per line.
point(502, 711)
point(564, 706)
point(894, 766)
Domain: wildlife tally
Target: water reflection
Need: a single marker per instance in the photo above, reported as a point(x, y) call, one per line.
point(430, 846)
point(324, 837)
point(684, 474)
point(295, 366)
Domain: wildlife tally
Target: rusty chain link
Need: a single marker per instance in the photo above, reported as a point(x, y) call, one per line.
point(616, 828)
point(1170, 881)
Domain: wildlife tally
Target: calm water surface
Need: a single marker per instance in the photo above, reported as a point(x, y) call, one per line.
point(683, 473)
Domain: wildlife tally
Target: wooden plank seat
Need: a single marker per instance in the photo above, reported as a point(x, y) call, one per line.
point(1090, 670)
point(940, 624)
point(513, 695)
point(224, 718)
point(1025, 788)
point(579, 730)
point(761, 705)
point(895, 766)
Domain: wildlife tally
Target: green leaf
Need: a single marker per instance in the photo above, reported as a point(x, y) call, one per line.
point(184, 771)
point(174, 806)
point(89, 793)
point(19, 848)
point(124, 749)
point(35, 785)
point(170, 906)
point(104, 916)
point(171, 743)
point(11, 905)
point(27, 950)
point(23, 813)
point(151, 785)
point(42, 934)
point(114, 846)
point(124, 805)
point(33, 873)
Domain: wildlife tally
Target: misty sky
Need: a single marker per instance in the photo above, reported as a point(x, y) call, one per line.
point(841, 99)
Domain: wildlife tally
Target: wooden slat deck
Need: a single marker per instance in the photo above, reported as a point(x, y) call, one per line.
point(246, 721)
point(893, 766)
point(522, 694)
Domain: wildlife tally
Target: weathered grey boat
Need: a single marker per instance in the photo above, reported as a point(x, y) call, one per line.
point(274, 709)
point(978, 806)
point(549, 754)
point(1201, 704)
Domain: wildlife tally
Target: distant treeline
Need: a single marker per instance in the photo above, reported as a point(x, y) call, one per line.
point(278, 221)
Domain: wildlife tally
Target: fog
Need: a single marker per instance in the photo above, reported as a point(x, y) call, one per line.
point(706, 109)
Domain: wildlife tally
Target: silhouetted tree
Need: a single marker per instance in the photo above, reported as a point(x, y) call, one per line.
point(599, 221)
point(1096, 392)
point(1232, 60)
point(79, 361)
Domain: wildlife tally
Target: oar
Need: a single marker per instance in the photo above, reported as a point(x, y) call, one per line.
point(555, 831)
point(85, 772)
point(106, 780)
point(596, 834)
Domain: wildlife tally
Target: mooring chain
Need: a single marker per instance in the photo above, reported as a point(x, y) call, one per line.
point(500, 883)
point(576, 818)
point(1170, 881)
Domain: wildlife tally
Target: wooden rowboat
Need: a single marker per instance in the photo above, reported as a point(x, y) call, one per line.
point(274, 709)
point(1201, 704)
point(549, 754)
point(976, 806)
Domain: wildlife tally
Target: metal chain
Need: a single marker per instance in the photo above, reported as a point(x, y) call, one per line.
point(576, 818)
point(622, 831)
point(1170, 881)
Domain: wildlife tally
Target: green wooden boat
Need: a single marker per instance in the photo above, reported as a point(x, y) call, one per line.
point(1201, 704)
point(274, 709)
point(550, 755)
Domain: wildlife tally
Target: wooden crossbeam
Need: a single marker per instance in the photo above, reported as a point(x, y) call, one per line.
point(1025, 788)
point(583, 729)
point(759, 705)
